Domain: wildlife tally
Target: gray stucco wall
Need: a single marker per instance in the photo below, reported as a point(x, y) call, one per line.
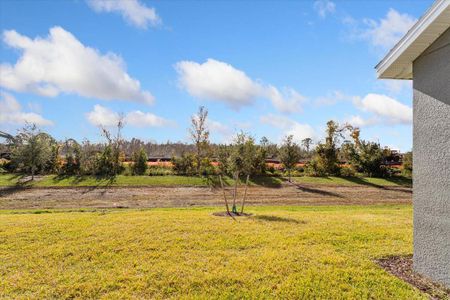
point(431, 150)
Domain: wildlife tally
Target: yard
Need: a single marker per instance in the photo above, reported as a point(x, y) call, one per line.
point(324, 252)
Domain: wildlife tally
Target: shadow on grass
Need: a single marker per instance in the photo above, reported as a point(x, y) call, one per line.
point(264, 181)
point(100, 181)
point(308, 189)
point(401, 181)
point(12, 189)
point(19, 182)
point(269, 218)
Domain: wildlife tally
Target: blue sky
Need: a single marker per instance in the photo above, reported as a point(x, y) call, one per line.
point(269, 68)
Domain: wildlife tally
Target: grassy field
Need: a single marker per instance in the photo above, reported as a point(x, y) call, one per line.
point(279, 252)
point(67, 181)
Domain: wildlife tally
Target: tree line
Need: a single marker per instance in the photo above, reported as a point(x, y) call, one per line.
point(36, 152)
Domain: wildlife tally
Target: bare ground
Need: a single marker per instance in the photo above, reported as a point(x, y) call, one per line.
point(402, 267)
point(142, 197)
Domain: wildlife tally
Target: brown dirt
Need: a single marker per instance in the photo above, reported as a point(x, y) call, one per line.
point(402, 267)
point(230, 214)
point(141, 197)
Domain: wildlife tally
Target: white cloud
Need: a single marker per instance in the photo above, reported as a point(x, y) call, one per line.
point(103, 116)
point(219, 81)
point(301, 131)
point(324, 7)
point(133, 11)
point(290, 102)
point(11, 113)
point(386, 32)
point(385, 109)
point(290, 127)
point(218, 129)
point(216, 126)
point(140, 119)
point(60, 63)
point(358, 121)
point(277, 121)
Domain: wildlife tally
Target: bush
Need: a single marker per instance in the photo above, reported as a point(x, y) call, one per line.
point(139, 165)
point(347, 171)
point(184, 165)
point(407, 164)
point(314, 169)
point(206, 168)
point(5, 165)
point(160, 170)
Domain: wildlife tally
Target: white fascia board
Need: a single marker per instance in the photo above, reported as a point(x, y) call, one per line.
point(403, 65)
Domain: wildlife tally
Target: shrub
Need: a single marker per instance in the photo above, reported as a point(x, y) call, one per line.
point(5, 165)
point(407, 164)
point(139, 162)
point(314, 168)
point(206, 168)
point(160, 170)
point(184, 165)
point(223, 152)
point(347, 171)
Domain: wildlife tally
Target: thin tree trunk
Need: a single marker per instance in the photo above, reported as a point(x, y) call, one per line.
point(245, 194)
point(224, 196)
point(236, 178)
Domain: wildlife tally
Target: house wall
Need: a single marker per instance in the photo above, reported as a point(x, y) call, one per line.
point(431, 157)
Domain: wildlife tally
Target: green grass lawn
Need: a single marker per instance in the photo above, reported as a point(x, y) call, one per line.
point(279, 252)
point(171, 180)
point(121, 180)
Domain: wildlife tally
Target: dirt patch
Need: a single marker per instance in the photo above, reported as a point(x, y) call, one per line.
point(402, 267)
point(230, 214)
point(147, 197)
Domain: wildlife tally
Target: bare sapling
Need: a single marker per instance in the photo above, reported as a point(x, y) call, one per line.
point(236, 179)
point(224, 196)
point(245, 194)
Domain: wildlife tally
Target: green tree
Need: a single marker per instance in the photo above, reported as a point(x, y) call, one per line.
point(306, 143)
point(71, 150)
point(53, 166)
point(407, 163)
point(262, 149)
point(241, 162)
point(185, 164)
point(365, 156)
point(139, 162)
point(223, 154)
point(289, 154)
point(32, 150)
point(87, 155)
point(109, 162)
point(200, 137)
point(325, 161)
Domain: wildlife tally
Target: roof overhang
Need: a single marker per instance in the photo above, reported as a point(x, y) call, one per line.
point(397, 64)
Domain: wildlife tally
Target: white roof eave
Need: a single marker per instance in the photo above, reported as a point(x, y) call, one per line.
point(397, 64)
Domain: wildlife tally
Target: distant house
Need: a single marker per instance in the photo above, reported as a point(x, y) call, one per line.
point(423, 55)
